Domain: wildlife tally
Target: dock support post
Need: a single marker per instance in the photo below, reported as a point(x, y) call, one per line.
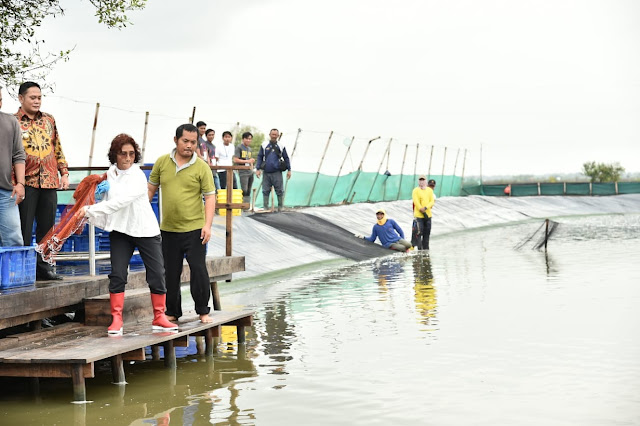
point(208, 342)
point(169, 354)
point(200, 348)
point(215, 295)
point(241, 337)
point(77, 376)
point(155, 353)
point(117, 370)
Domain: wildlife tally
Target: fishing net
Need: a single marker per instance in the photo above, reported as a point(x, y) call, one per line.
point(70, 221)
point(540, 237)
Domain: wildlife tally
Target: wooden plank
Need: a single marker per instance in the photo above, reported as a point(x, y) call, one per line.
point(135, 355)
point(137, 308)
point(182, 341)
point(244, 322)
point(77, 331)
point(96, 344)
point(43, 370)
point(53, 297)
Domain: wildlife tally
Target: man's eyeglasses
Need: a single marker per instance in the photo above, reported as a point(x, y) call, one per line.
point(131, 154)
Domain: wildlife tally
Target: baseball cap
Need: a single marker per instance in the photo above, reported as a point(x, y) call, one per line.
point(431, 182)
point(422, 177)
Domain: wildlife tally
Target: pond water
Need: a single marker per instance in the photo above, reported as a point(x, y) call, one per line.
point(475, 332)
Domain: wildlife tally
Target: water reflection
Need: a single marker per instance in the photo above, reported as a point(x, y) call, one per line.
point(425, 292)
point(354, 346)
point(276, 336)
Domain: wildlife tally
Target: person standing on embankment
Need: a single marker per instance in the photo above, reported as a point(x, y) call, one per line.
point(423, 201)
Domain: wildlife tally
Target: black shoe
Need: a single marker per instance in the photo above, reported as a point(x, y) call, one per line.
point(48, 276)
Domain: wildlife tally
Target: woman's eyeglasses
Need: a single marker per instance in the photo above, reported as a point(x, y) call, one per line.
point(131, 154)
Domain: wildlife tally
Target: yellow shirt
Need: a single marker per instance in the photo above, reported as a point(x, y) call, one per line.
point(422, 198)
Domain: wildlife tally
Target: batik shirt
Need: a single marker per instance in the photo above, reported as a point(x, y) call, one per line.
point(44, 156)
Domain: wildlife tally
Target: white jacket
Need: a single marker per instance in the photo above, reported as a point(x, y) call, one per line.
point(125, 207)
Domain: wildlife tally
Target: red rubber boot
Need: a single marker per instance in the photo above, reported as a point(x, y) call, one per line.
point(117, 303)
point(160, 322)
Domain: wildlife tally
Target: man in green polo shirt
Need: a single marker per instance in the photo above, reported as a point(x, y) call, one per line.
point(186, 222)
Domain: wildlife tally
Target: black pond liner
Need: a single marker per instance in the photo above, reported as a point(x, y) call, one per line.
point(323, 234)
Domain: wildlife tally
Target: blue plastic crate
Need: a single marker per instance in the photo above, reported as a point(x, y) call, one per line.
point(17, 266)
point(81, 242)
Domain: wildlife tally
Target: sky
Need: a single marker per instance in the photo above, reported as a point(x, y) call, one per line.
point(508, 87)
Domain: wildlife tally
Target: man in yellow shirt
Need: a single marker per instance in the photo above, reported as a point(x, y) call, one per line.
point(186, 221)
point(423, 201)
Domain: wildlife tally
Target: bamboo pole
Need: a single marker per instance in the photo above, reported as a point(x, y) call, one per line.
point(387, 152)
point(93, 133)
point(295, 144)
point(340, 169)
point(193, 116)
point(387, 174)
point(315, 181)
point(402, 171)
point(464, 163)
point(415, 164)
point(144, 136)
point(444, 161)
point(481, 165)
point(430, 160)
point(359, 170)
point(455, 166)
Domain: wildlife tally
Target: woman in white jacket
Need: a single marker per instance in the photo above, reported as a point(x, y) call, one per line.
point(126, 213)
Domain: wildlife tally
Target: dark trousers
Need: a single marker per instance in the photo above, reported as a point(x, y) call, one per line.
point(246, 183)
point(150, 248)
point(39, 205)
point(175, 245)
point(424, 225)
point(272, 179)
point(223, 180)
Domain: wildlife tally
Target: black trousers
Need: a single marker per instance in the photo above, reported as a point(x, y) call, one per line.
point(223, 180)
point(40, 205)
point(424, 224)
point(175, 246)
point(150, 248)
point(246, 183)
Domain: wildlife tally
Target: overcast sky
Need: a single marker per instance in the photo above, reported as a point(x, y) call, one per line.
point(543, 85)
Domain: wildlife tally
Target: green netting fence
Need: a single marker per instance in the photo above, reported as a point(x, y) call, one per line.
point(313, 189)
point(556, 188)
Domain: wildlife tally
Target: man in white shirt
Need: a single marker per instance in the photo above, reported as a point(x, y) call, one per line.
point(225, 158)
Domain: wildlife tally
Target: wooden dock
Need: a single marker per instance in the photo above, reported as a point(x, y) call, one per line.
point(70, 350)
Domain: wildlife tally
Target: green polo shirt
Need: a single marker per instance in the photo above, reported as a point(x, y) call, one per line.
point(182, 191)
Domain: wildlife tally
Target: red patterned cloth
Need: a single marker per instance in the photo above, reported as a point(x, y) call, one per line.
point(70, 222)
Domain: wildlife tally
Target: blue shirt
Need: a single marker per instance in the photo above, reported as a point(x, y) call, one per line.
point(268, 158)
point(388, 233)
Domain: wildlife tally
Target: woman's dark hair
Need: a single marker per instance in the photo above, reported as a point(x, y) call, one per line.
point(116, 147)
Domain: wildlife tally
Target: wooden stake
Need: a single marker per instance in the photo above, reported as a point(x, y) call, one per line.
point(444, 160)
point(144, 135)
point(402, 171)
point(193, 116)
point(93, 135)
point(340, 169)
point(415, 165)
point(430, 160)
point(387, 152)
point(295, 144)
point(359, 171)
point(464, 163)
point(455, 165)
point(315, 181)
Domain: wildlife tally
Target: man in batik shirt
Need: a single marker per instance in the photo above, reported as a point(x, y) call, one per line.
point(44, 160)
